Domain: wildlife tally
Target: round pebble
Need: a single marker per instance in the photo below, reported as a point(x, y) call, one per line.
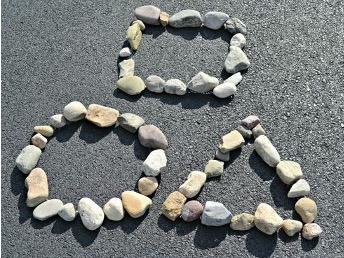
point(113, 209)
point(57, 121)
point(215, 20)
point(47, 209)
point(289, 171)
point(192, 210)
point(291, 227)
point(132, 85)
point(234, 79)
point(45, 130)
point(67, 212)
point(92, 216)
point(74, 111)
point(151, 136)
point(186, 18)
point(28, 158)
point(238, 40)
point(147, 185)
point(311, 230)
point(149, 14)
point(307, 209)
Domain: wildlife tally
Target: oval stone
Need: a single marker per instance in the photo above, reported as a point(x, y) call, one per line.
point(215, 20)
point(113, 209)
point(92, 216)
point(307, 209)
point(238, 40)
point(47, 209)
point(130, 122)
point(132, 85)
point(151, 136)
point(291, 227)
point(45, 130)
point(191, 187)
point(149, 14)
point(192, 211)
point(74, 111)
point(225, 90)
point(235, 78)
point(147, 185)
point(186, 18)
point(155, 84)
point(102, 116)
point(311, 230)
point(28, 158)
point(267, 151)
point(175, 86)
point(155, 163)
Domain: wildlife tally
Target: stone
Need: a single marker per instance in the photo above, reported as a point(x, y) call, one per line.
point(257, 131)
point(202, 83)
point(67, 212)
point(149, 14)
point(173, 205)
point(147, 185)
point(45, 130)
point(140, 23)
point(266, 219)
point(57, 121)
point(155, 163)
point(250, 121)
point(215, 20)
point(125, 52)
point(102, 116)
point(186, 18)
point(39, 141)
point(135, 204)
point(37, 185)
point(192, 210)
point(307, 209)
point(151, 136)
point(234, 79)
point(311, 230)
point(134, 36)
point(132, 85)
point(231, 141)
point(267, 151)
point(222, 156)
point(47, 209)
point(215, 214)
point(236, 60)
point(175, 86)
point(242, 222)
point(289, 171)
point(244, 131)
point(238, 40)
point(130, 122)
point(291, 227)
point(214, 168)
point(113, 209)
point(224, 90)
point(192, 186)
point(234, 25)
point(28, 158)
point(91, 214)
point(74, 111)
point(126, 68)
point(164, 17)
point(155, 84)
point(299, 189)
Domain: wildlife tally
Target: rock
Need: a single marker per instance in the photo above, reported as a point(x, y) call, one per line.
point(202, 83)
point(155, 84)
point(175, 86)
point(92, 216)
point(126, 68)
point(140, 23)
point(192, 186)
point(307, 209)
point(242, 222)
point(215, 20)
point(47, 209)
point(164, 17)
point(149, 14)
point(102, 116)
point(234, 25)
point(289, 171)
point(147, 185)
point(155, 163)
point(311, 230)
point(192, 210)
point(257, 131)
point(132, 85)
point(299, 189)
point(222, 156)
point(130, 122)
point(250, 121)
point(291, 227)
point(113, 209)
point(225, 90)
point(173, 205)
point(186, 18)
point(67, 212)
point(234, 79)
point(244, 131)
point(236, 60)
point(135, 204)
point(74, 111)
point(39, 141)
point(45, 130)
point(125, 52)
point(238, 40)
point(134, 36)
point(266, 219)
point(151, 136)
point(214, 168)
point(37, 185)
point(267, 151)
point(57, 121)
point(215, 214)
point(231, 141)
point(28, 158)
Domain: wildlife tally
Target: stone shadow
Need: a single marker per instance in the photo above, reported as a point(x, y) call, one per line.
point(260, 244)
point(264, 171)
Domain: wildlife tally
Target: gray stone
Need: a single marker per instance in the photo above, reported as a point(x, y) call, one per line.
point(57, 121)
point(299, 189)
point(186, 18)
point(149, 14)
point(214, 168)
point(224, 156)
point(244, 131)
point(250, 121)
point(234, 25)
point(47, 209)
point(192, 186)
point(215, 214)
point(130, 122)
point(67, 212)
point(202, 83)
point(289, 171)
point(92, 216)
point(267, 151)
point(225, 90)
point(257, 131)
point(28, 158)
point(155, 84)
point(155, 163)
point(126, 68)
point(192, 210)
point(151, 136)
point(74, 111)
point(39, 141)
point(236, 60)
point(113, 209)
point(132, 85)
point(175, 86)
point(266, 219)
point(311, 230)
point(235, 78)
point(238, 40)
point(215, 20)
point(125, 52)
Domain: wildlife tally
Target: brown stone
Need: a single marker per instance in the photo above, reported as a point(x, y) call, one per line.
point(37, 185)
point(151, 136)
point(164, 17)
point(173, 205)
point(147, 185)
point(102, 116)
point(135, 204)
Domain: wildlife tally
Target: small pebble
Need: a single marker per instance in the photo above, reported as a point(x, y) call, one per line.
point(155, 84)
point(291, 227)
point(215, 20)
point(132, 85)
point(214, 168)
point(164, 17)
point(39, 141)
point(234, 25)
point(67, 212)
point(311, 230)
point(299, 189)
point(235, 79)
point(244, 131)
point(135, 204)
point(57, 121)
point(102, 116)
point(130, 122)
point(202, 83)
point(289, 171)
point(74, 111)
point(250, 121)
point(266, 219)
point(192, 186)
point(186, 18)
point(113, 209)
point(37, 185)
point(28, 158)
point(242, 222)
point(147, 185)
point(155, 163)
point(225, 90)
point(140, 23)
point(257, 131)
point(267, 151)
point(307, 209)
point(125, 52)
point(126, 68)
point(231, 141)
point(215, 214)
point(151, 136)
point(222, 156)
point(173, 205)
point(175, 86)
point(192, 210)
point(238, 40)
point(47, 209)
point(45, 130)
point(134, 36)
point(92, 216)
point(149, 14)
point(236, 60)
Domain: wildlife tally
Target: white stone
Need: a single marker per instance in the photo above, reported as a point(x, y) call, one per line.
point(155, 83)
point(39, 141)
point(113, 209)
point(202, 83)
point(215, 20)
point(126, 68)
point(175, 86)
point(236, 60)
point(74, 111)
point(289, 171)
point(225, 90)
point(235, 79)
point(267, 151)
point(155, 163)
point(299, 189)
point(125, 52)
point(238, 40)
point(67, 212)
point(57, 121)
point(28, 158)
point(92, 216)
point(47, 209)
point(191, 187)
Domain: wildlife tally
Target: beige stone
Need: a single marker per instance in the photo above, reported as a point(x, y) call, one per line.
point(132, 85)
point(37, 185)
point(289, 171)
point(243, 221)
point(266, 219)
point(291, 227)
point(147, 185)
point(191, 187)
point(141, 24)
point(214, 168)
point(173, 205)
point(102, 116)
point(307, 209)
point(231, 141)
point(311, 230)
point(39, 141)
point(134, 36)
point(45, 130)
point(135, 203)
point(164, 17)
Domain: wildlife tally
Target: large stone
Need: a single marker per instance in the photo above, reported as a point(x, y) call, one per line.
point(155, 83)
point(92, 215)
point(37, 185)
point(289, 171)
point(307, 209)
point(215, 214)
point(250, 121)
point(155, 163)
point(130, 122)
point(147, 185)
point(291, 227)
point(234, 25)
point(132, 85)
point(126, 68)
point(236, 60)
point(135, 203)
point(202, 83)
point(299, 189)
point(74, 111)
point(235, 79)
point(311, 230)
point(192, 186)
point(186, 18)
point(57, 121)
point(266, 219)
point(67, 212)
point(242, 222)
point(134, 36)
point(175, 86)
point(28, 158)
point(113, 209)
point(149, 14)
point(47, 209)
point(192, 211)
point(102, 116)
point(45, 130)
point(215, 20)
point(231, 141)
point(173, 205)
point(214, 168)
point(151, 136)
point(238, 40)
point(267, 151)
point(39, 141)
point(225, 90)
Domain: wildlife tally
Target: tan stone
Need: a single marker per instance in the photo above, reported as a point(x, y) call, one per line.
point(37, 185)
point(135, 203)
point(266, 219)
point(191, 187)
point(289, 171)
point(45, 130)
point(140, 23)
point(243, 221)
point(291, 227)
point(311, 230)
point(102, 116)
point(39, 141)
point(132, 85)
point(134, 36)
point(164, 17)
point(214, 168)
point(307, 209)
point(147, 185)
point(231, 141)
point(173, 205)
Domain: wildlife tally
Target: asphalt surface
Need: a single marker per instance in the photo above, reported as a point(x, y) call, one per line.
point(54, 52)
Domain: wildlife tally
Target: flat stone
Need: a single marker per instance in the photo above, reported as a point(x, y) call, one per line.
point(257, 131)
point(147, 185)
point(173, 205)
point(74, 111)
point(236, 60)
point(130, 122)
point(250, 121)
point(291, 227)
point(125, 52)
point(242, 222)
point(267, 151)
point(164, 18)
point(102, 116)
point(149, 14)
point(192, 186)
point(134, 36)
point(289, 171)
point(215, 214)
point(234, 25)
point(244, 131)
point(307, 209)
point(45, 130)
point(231, 141)
point(47, 209)
point(311, 230)
point(238, 40)
point(113, 209)
point(222, 156)
point(266, 219)
point(91, 214)
point(214, 168)
point(151, 136)
point(175, 86)
point(192, 210)
point(126, 68)
point(234, 79)
point(202, 83)
point(57, 121)
point(155, 83)
point(39, 141)
point(135, 204)
point(225, 90)
point(155, 163)
point(67, 212)
point(299, 189)
point(132, 85)
point(215, 20)
point(140, 23)
point(37, 185)
point(28, 158)
point(186, 18)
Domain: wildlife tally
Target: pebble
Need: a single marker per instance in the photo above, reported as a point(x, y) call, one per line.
point(91, 214)
point(257, 131)
point(266, 219)
point(149, 14)
point(267, 151)
point(235, 78)
point(155, 163)
point(215, 20)
point(102, 116)
point(244, 131)
point(47, 209)
point(289, 171)
point(57, 121)
point(155, 83)
point(113, 209)
point(132, 85)
point(28, 158)
point(164, 17)
point(236, 60)
point(125, 52)
point(130, 122)
point(186, 18)
point(234, 25)
point(238, 40)
point(135, 203)
point(74, 111)
point(307, 209)
point(45, 130)
point(242, 222)
point(175, 86)
point(214, 168)
point(225, 90)
point(134, 36)
point(147, 185)
point(215, 214)
point(151, 136)
point(291, 227)
point(222, 156)
point(126, 68)
point(173, 205)
point(192, 186)
point(39, 141)
point(311, 230)
point(231, 141)
point(37, 185)
point(299, 189)
point(67, 212)
point(250, 121)
point(192, 210)
point(202, 83)
point(140, 23)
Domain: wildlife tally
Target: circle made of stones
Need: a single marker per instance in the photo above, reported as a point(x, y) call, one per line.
point(235, 61)
point(92, 215)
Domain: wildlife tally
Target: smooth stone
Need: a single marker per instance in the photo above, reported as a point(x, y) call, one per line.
point(135, 204)
point(257, 131)
point(291, 227)
point(125, 52)
point(47, 209)
point(39, 141)
point(132, 85)
point(192, 186)
point(37, 185)
point(91, 214)
point(113, 209)
point(126, 68)
point(231, 141)
point(250, 121)
point(222, 156)
point(74, 111)
point(202, 83)
point(45, 130)
point(234, 79)
point(244, 131)
point(238, 40)
point(130, 122)
point(236, 60)
point(173, 205)
point(311, 230)
point(307, 209)
point(299, 189)
point(149, 14)
point(57, 121)
point(192, 210)
point(186, 18)
point(67, 212)
point(234, 25)
point(214, 168)
point(225, 90)
point(215, 20)
point(151, 136)
point(164, 18)
point(175, 86)
point(155, 163)
point(155, 84)
point(289, 171)
point(147, 185)
point(215, 214)
point(28, 158)
point(267, 151)
point(134, 36)
point(102, 116)
point(140, 23)
point(266, 219)
point(242, 222)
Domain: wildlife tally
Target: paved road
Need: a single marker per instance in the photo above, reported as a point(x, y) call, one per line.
point(54, 52)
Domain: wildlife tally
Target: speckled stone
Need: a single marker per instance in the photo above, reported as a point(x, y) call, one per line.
point(215, 20)
point(47, 209)
point(147, 185)
point(37, 185)
point(155, 84)
point(231, 141)
point(192, 210)
point(149, 14)
point(244, 131)
point(173, 205)
point(250, 121)
point(215, 214)
point(307, 209)
point(113, 209)
point(134, 36)
point(74, 111)
point(257, 131)
point(92, 216)
point(234, 25)
point(192, 186)
point(67, 212)
point(266, 219)
point(135, 204)
point(236, 60)
point(299, 189)
point(57, 121)
point(242, 222)
point(102, 116)
point(202, 83)
point(151, 136)
point(28, 158)
point(175, 86)
point(225, 90)
point(235, 78)
point(311, 230)
point(130, 122)
point(267, 151)
point(45, 130)
point(164, 18)
point(238, 40)
point(214, 168)
point(289, 171)
point(291, 227)
point(126, 68)
point(132, 85)
point(222, 156)
point(186, 18)
point(39, 141)
point(155, 163)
